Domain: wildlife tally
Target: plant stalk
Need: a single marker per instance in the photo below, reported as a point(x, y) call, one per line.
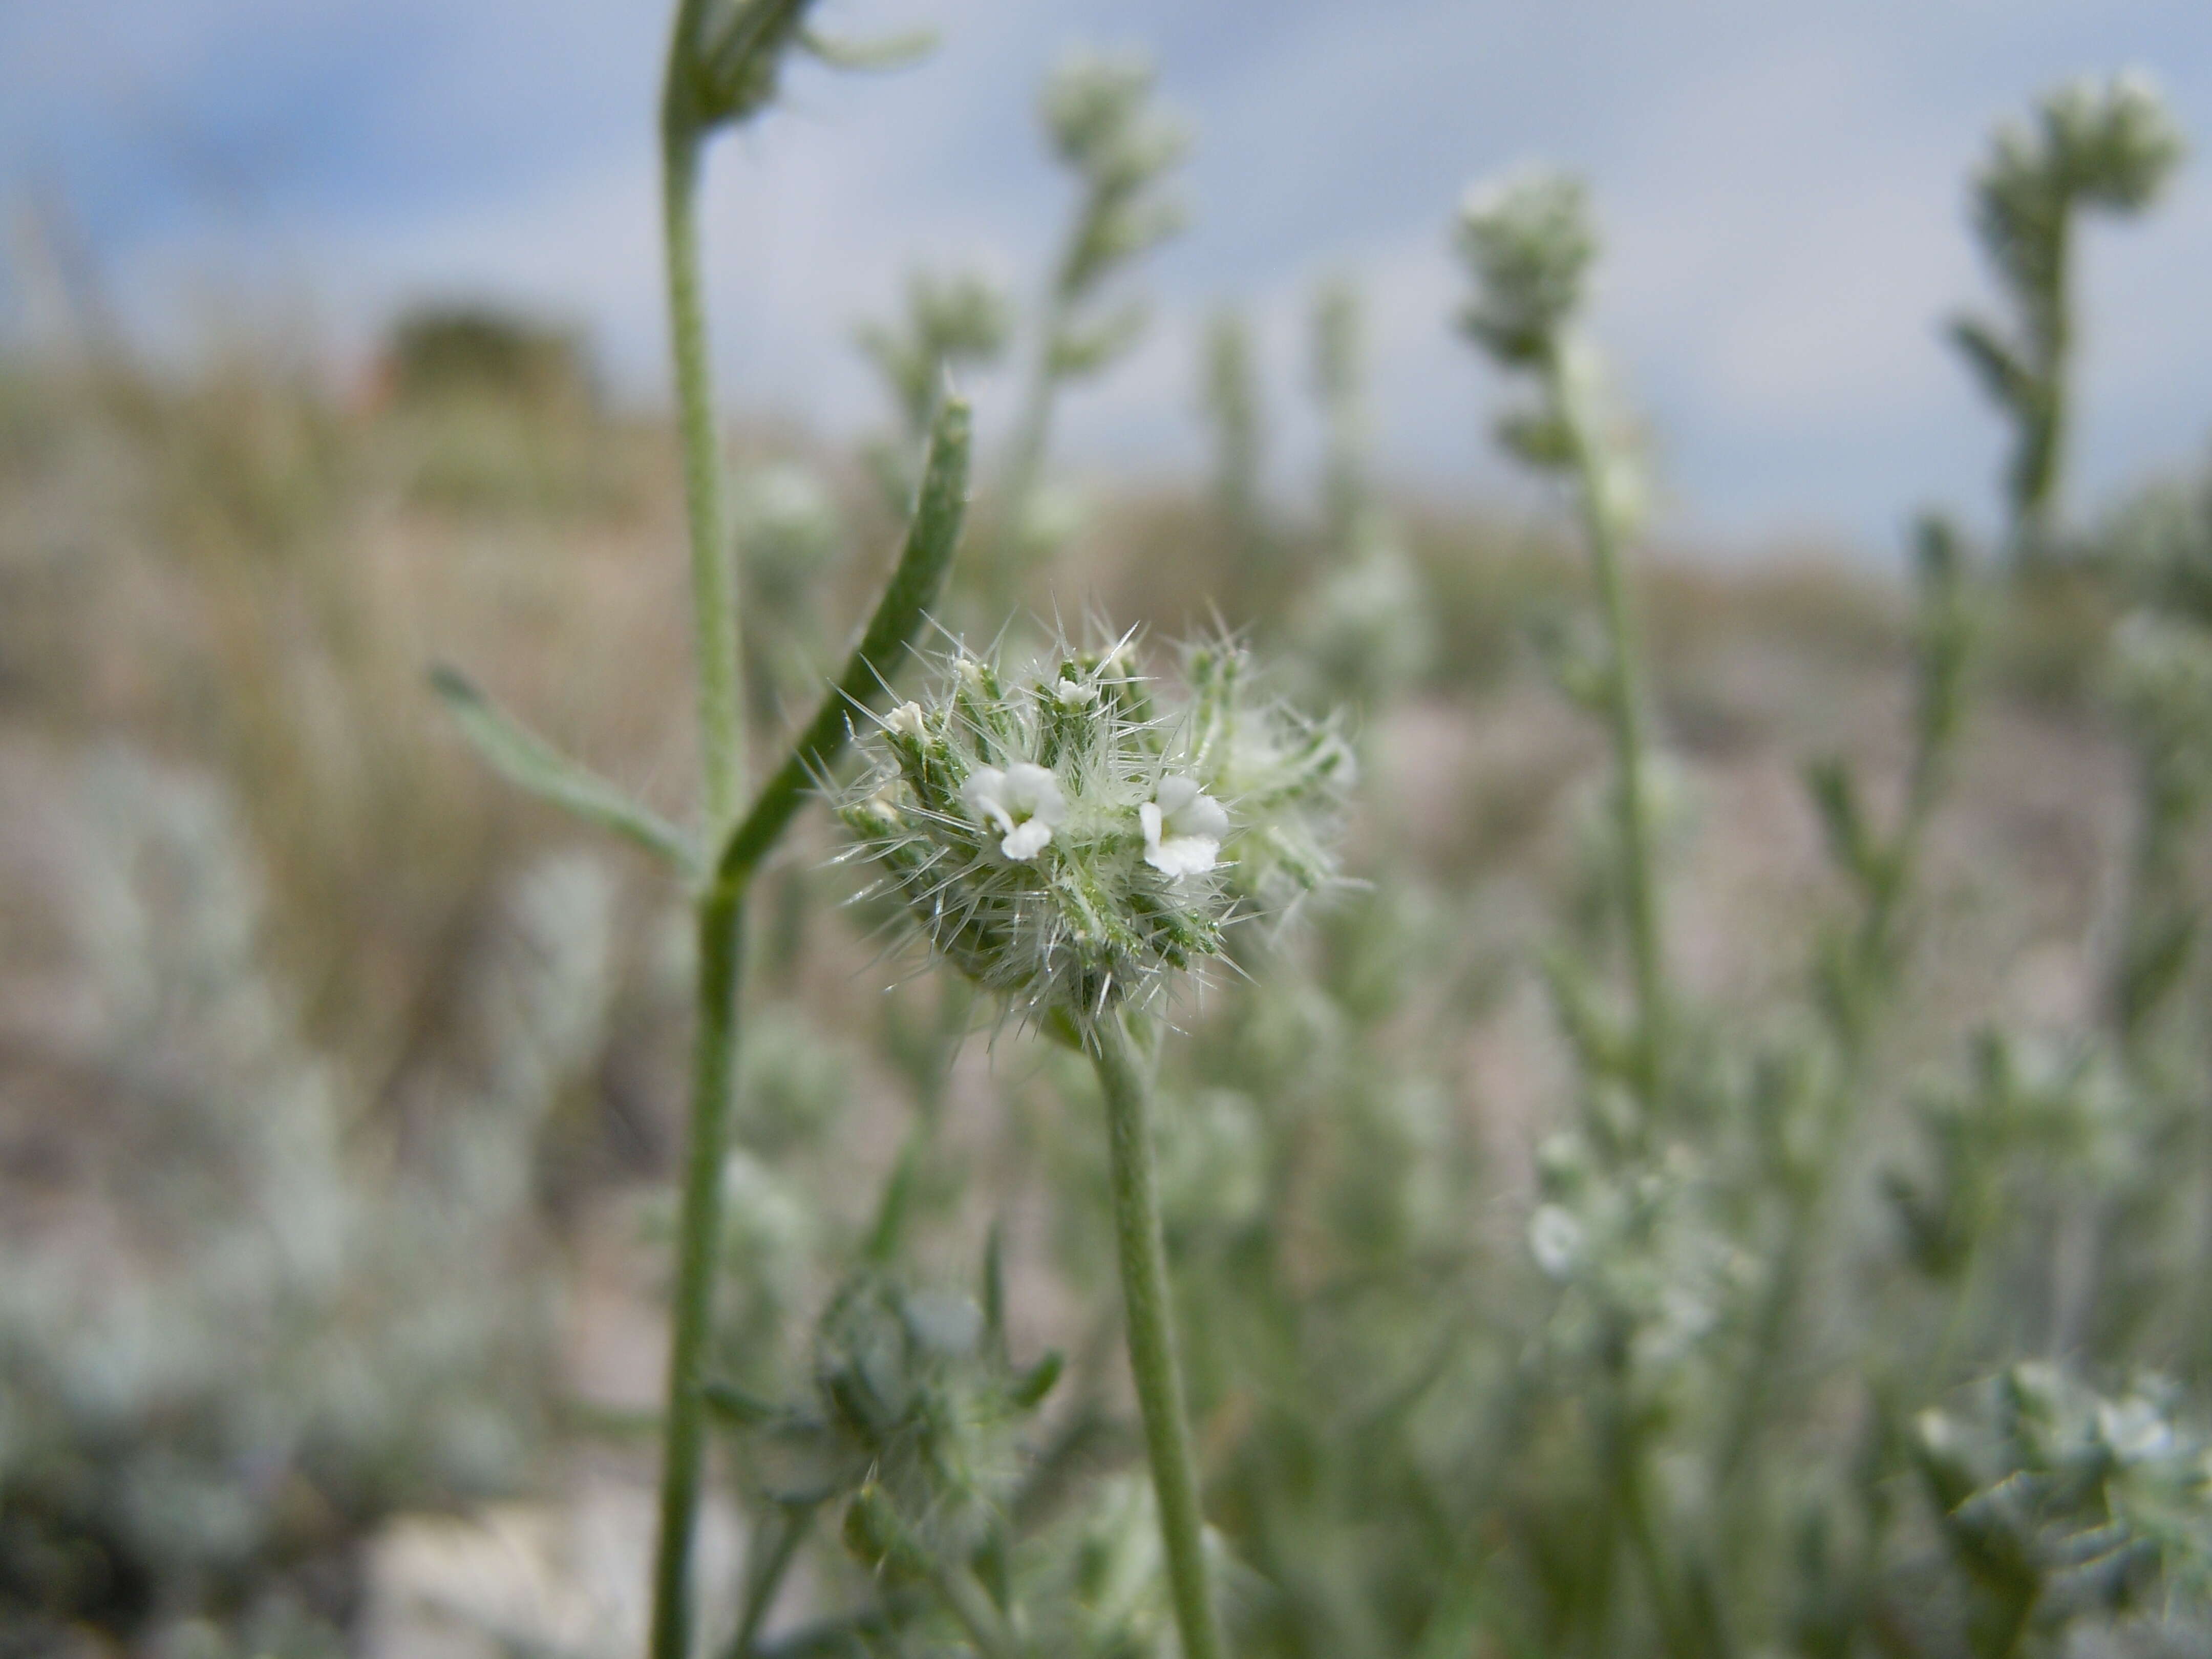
point(1003, 564)
point(713, 579)
point(765, 1578)
point(1122, 1076)
point(719, 906)
point(699, 1237)
point(1624, 714)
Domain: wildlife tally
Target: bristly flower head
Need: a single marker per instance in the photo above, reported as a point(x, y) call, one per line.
point(1073, 838)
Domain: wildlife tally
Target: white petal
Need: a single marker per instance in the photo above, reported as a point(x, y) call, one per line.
point(1026, 841)
point(1149, 815)
point(906, 720)
point(1174, 792)
point(1032, 791)
point(1202, 816)
point(985, 792)
point(1183, 855)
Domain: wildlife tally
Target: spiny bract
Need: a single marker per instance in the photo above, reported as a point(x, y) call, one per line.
point(1071, 841)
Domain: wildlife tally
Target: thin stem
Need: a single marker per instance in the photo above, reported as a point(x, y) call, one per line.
point(914, 586)
point(699, 1233)
point(767, 1577)
point(1674, 1608)
point(1025, 456)
point(713, 579)
point(2043, 443)
point(1624, 711)
point(956, 1587)
point(969, 1603)
point(1122, 1075)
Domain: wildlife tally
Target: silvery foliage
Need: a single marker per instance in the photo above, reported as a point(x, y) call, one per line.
point(1649, 1272)
point(789, 538)
point(787, 533)
point(1527, 241)
point(953, 324)
point(247, 1314)
point(2064, 1504)
point(913, 1399)
point(1076, 839)
point(1099, 116)
point(2110, 145)
point(2158, 548)
point(1366, 626)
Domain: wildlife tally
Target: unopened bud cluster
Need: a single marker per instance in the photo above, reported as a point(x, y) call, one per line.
point(1072, 840)
point(1527, 240)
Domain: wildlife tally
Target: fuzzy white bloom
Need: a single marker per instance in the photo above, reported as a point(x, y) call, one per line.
point(1183, 827)
point(1075, 838)
point(1024, 801)
point(1556, 1240)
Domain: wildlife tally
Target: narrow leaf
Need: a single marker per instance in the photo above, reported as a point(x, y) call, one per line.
point(2002, 375)
point(916, 583)
point(738, 1408)
point(892, 51)
point(525, 759)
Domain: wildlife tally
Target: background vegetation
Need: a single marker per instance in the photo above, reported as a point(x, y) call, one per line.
point(1833, 1287)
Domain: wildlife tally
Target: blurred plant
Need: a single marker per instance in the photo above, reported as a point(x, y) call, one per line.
point(253, 1344)
point(1364, 627)
point(788, 539)
point(1103, 128)
point(1528, 243)
point(439, 352)
point(910, 1431)
point(953, 324)
point(1230, 400)
point(2062, 1505)
point(2112, 146)
point(2161, 670)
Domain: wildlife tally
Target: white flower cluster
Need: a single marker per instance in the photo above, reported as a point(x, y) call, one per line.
point(1072, 840)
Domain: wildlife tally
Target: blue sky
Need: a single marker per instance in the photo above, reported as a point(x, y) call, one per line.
point(1781, 186)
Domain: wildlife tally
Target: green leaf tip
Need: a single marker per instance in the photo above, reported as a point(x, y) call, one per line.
point(915, 584)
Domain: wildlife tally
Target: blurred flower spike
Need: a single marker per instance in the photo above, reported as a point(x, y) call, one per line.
point(1527, 240)
point(1075, 839)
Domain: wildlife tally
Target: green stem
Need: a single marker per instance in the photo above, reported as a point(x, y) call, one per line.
point(1122, 1075)
point(699, 1235)
point(1683, 1634)
point(713, 579)
point(2039, 468)
point(969, 1603)
point(767, 1577)
point(1001, 564)
point(914, 586)
point(1624, 712)
point(966, 1599)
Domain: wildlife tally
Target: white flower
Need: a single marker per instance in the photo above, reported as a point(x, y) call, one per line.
point(1076, 694)
point(1023, 802)
point(906, 720)
point(1183, 827)
point(1555, 1239)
